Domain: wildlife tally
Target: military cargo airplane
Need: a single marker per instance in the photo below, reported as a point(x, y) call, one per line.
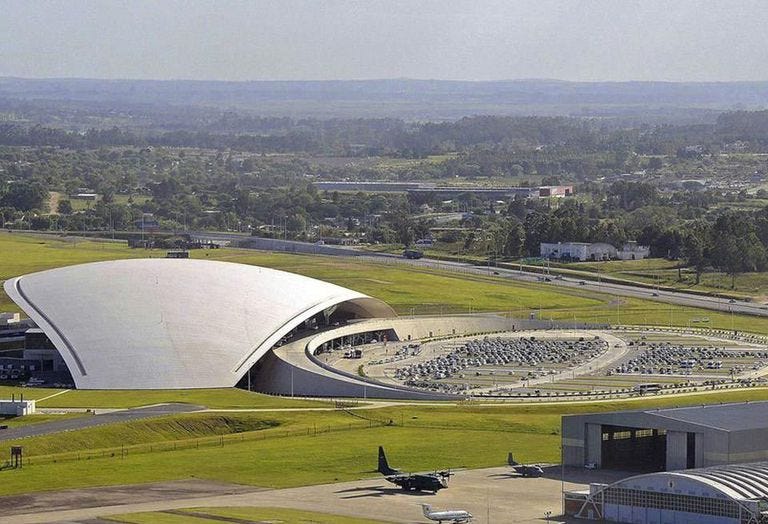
point(457, 516)
point(525, 470)
point(413, 481)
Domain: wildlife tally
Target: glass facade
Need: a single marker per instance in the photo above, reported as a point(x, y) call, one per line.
point(672, 502)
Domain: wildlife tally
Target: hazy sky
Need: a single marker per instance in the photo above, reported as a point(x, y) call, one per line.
point(335, 39)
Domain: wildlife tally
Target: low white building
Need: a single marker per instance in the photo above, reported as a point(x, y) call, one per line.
point(633, 251)
point(583, 251)
point(17, 407)
point(9, 319)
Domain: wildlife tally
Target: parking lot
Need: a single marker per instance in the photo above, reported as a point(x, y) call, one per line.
point(566, 363)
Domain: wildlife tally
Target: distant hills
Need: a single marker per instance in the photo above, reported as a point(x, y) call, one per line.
point(403, 98)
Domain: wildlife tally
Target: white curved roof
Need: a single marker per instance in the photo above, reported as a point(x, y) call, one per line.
point(172, 323)
point(736, 481)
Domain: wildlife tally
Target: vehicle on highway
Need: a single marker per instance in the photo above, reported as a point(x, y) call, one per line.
point(457, 516)
point(582, 283)
point(525, 470)
point(412, 254)
point(413, 481)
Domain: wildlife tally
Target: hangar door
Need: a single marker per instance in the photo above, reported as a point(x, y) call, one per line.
point(633, 449)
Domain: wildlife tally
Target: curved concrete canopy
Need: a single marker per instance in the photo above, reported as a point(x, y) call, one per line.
point(173, 323)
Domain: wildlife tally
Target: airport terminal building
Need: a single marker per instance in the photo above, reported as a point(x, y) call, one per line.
point(162, 323)
point(167, 323)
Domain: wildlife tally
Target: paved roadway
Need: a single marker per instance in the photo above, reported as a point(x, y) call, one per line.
point(670, 297)
point(625, 290)
point(70, 424)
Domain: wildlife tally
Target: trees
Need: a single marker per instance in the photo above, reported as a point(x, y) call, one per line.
point(515, 241)
point(736, 248)
point(25, 196)
point(538, 228)
point(64, 207)
point(697, 244)
point(404, 230)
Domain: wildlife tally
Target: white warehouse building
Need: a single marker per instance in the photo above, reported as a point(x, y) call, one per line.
point(596, 251)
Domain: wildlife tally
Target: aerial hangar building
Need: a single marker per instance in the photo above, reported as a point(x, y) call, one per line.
point(735, 494)
point(183, 323)
point(701, 464)
point(667, 439)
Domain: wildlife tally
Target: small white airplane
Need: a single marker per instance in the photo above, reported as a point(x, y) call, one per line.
point(457, 516)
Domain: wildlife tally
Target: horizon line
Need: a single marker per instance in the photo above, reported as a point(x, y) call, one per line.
point(380, 79)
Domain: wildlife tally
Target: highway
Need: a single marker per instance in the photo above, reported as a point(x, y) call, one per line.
point(670, 297)
point(624, 290)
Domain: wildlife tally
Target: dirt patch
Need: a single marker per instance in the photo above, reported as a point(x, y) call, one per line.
point(53, 202)
point(117, 495)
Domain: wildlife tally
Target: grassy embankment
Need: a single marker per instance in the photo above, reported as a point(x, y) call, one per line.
point(222, 398)
point(284, 449)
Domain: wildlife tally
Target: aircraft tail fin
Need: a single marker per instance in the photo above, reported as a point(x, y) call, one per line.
point(384, 468)
point(427, 509)
point(511, 460)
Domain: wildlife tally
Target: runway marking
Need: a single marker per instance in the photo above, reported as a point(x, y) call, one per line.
point(54, 395)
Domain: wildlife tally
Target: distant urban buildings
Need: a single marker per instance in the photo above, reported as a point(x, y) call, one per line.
point(421, 188)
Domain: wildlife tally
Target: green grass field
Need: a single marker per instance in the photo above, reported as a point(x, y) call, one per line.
point(300, 450)
point(283, 449)
point(290, 461)
point(186, 430)
point(406, 288)
point(662, 272)
point(223, 398)
point(244, 514)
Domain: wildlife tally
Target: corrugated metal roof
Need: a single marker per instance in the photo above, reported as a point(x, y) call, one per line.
point(728, 417)
point(741, 481)
point(737, 481)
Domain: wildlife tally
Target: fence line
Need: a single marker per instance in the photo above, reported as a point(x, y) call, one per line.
point(122, 451)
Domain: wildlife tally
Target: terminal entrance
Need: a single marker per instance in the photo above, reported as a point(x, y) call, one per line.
point(633, 449)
